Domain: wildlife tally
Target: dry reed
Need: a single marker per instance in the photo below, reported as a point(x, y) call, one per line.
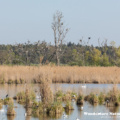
point(62, 74)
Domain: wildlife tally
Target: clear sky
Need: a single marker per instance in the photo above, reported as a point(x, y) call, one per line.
point(21, 20)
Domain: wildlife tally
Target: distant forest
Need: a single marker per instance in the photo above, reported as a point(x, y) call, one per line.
point(69, 54)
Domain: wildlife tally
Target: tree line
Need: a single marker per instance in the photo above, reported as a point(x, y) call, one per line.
point(41, 52)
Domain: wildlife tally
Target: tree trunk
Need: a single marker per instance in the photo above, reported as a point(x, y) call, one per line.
point(57, 57)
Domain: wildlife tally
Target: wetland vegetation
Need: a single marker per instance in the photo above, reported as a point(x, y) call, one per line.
point(61, 74)
point(51, 101)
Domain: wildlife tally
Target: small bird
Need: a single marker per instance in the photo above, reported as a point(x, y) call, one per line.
point(84, 86)
point(7, 95)
point(25, 114)
point(73, 95)
point(77, 119)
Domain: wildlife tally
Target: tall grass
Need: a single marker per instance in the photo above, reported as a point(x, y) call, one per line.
point(62, 74)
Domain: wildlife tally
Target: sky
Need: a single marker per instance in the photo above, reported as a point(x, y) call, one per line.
point(22, 20)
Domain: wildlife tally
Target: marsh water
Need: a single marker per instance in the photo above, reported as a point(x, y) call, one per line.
point(13, 89)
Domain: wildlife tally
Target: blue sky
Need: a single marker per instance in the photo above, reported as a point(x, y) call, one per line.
point(21, 20)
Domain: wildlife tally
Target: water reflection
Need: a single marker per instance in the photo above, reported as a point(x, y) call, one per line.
point(12, 90)
point(10, 117)
point(69, 112)
point(113, 109)
point(28, 118)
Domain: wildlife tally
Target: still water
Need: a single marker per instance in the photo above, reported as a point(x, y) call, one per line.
point(12, 90)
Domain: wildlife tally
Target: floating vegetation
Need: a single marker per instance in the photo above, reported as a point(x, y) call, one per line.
point(26, 98)
point(10, 110)
point(93, 98)
point(66, 97)
point(20, 95)
point(87, 97)
point(113, 97)
point(58, 95)
point(7, 100)
point(68, 106)
point(80, 99)
point(2, 81)
point(17, 81)
point(22, 81)
point(101, 97)
point(74, 95)
point(10, 81)
point(55, 108)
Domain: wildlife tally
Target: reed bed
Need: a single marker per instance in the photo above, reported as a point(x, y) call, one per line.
point(61, 74)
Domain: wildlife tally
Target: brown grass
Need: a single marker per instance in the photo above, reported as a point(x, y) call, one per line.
point(62, 74)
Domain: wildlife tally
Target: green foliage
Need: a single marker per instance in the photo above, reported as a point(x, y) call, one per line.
point(68, 106)
point(105, 60)
point(93, 98)
point(73, 55)
point(101, 97)
point(59, 94)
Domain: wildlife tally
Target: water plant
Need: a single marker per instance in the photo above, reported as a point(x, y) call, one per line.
point(10, 110)
point(113, 96)
point(61, 73)
point(67, 96)
point(101, 97)
point(74, 95)
point(55, 108)
point(2, 80)
point(46, 92)
point(93, 98)
point(68, 106)
point(86, 98)
point(22, 81)
point(10, 81)
point(17, 81)
point(58, 95)
point(80, 99)
point(7, 100)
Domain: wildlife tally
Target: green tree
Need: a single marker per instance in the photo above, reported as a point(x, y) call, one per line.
point(3, 56)
point(96, 57)
point(105, 60)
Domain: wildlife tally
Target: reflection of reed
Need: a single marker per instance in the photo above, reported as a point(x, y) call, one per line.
point(80, 109)
point(10, 117)
point(28, 111)
point(56, 116)
point(114, 109)
point(43, 117)
point(28, 117)
point(69, 112)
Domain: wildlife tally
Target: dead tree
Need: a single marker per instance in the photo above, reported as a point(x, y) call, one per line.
point(59, 33)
